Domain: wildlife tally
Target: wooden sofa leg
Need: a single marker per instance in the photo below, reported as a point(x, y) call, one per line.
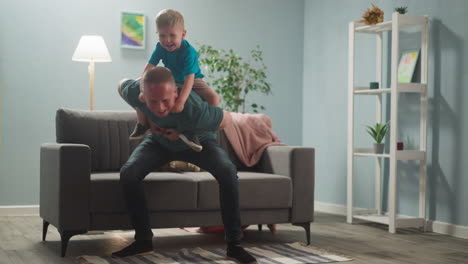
point(45, 226)
point(65, 237)
point(260, 227)
point(306, 227)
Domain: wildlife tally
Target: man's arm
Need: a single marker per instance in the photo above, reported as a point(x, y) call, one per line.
point(173, 134)
point(200, 116)
point(227, 121)
point(147, 67)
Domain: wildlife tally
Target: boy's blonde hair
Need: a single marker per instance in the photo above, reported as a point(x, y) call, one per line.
point(169, 17)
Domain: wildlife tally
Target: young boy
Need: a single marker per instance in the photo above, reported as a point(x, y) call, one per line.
point(182, 59)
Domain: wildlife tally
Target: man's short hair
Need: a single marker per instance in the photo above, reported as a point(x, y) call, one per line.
point(169, 17)
point(157, 75)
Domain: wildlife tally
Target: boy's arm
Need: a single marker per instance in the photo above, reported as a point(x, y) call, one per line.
point(147, 67)
point(184, 93)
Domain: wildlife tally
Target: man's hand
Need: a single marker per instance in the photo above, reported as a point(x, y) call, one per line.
point(178, 106)
point(156, 129)
point(171, 134)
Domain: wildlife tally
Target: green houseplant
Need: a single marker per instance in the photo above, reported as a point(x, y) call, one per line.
point(378, 132)
point(234, 78)
point(402, 9)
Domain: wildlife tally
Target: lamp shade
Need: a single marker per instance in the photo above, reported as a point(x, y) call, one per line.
point(91, 48)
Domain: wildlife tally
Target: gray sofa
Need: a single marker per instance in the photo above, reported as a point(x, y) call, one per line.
point(80, 192)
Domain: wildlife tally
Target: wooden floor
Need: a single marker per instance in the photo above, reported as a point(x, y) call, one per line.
point(20, 242)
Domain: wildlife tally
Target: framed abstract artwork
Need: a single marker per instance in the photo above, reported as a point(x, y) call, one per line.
point(407, 64)
point(132, 30)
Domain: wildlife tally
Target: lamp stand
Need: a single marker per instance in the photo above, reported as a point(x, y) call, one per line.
point(91, 85)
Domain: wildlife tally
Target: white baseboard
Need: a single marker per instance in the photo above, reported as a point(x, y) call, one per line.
point(330, 208)
point(19, 210)
point(447, 229)
point(433, 226)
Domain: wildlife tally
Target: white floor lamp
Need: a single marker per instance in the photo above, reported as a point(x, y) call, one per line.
point(91, 49)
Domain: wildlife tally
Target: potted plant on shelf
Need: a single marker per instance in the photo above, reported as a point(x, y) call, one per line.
point(378, 132)
point(233, 78)
point(402, 9)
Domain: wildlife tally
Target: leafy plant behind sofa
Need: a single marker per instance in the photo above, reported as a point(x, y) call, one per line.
point(235, 78)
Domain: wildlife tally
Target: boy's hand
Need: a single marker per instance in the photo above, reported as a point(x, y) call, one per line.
point(171, 134)
point(178, 106)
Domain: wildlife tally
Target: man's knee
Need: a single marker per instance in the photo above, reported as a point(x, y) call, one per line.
point(226, 172)
point(128, 174)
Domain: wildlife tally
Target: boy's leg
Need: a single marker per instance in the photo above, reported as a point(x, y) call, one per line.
point(144, 159)
point(205, 92)
point(141, 127)
point(212, 98)
point(216, 161)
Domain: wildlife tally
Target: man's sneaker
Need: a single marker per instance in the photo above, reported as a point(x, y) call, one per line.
point(137, 247)
point(192, 141)
point(239, 254)
point(139, 131)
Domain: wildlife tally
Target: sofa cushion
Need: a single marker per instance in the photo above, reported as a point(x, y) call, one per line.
point(257, 190)
point(164, 191)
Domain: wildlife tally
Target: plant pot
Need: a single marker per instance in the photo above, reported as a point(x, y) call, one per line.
point(379, 148)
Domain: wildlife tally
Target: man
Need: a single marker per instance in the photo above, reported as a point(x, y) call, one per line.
point(156, 98)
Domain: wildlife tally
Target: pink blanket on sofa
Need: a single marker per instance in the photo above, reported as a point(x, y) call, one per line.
point(250, 135)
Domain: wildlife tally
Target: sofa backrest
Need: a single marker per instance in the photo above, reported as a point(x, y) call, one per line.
point(106, 133)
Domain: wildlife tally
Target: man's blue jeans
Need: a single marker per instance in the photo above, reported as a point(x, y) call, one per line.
point(150, 155)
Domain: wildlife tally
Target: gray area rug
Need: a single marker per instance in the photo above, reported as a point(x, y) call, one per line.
point(269, 254)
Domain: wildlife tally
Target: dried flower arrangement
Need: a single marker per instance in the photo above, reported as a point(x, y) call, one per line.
point(373, 16)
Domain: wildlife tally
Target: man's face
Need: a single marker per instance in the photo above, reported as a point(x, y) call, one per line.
point(171, 37)
point(160, 98)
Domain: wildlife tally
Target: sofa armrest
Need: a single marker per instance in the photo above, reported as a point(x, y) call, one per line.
point(64, 185)
point(299, 164)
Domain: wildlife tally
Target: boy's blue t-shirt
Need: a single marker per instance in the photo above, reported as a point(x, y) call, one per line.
point(197, 116)
point(181, 62)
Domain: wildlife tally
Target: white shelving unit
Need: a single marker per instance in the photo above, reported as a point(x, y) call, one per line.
point(375, 214)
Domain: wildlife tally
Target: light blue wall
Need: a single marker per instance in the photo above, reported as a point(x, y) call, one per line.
point(325, 105)
point(37, 75)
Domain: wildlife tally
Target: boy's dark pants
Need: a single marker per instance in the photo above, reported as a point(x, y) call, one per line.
point(150, 155)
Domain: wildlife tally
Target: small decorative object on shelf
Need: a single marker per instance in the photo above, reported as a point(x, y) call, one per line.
point(374, 85)
point(407, 65)
point(373, 16)
point(378, 133)
point(399, 145)
point(402, 9)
